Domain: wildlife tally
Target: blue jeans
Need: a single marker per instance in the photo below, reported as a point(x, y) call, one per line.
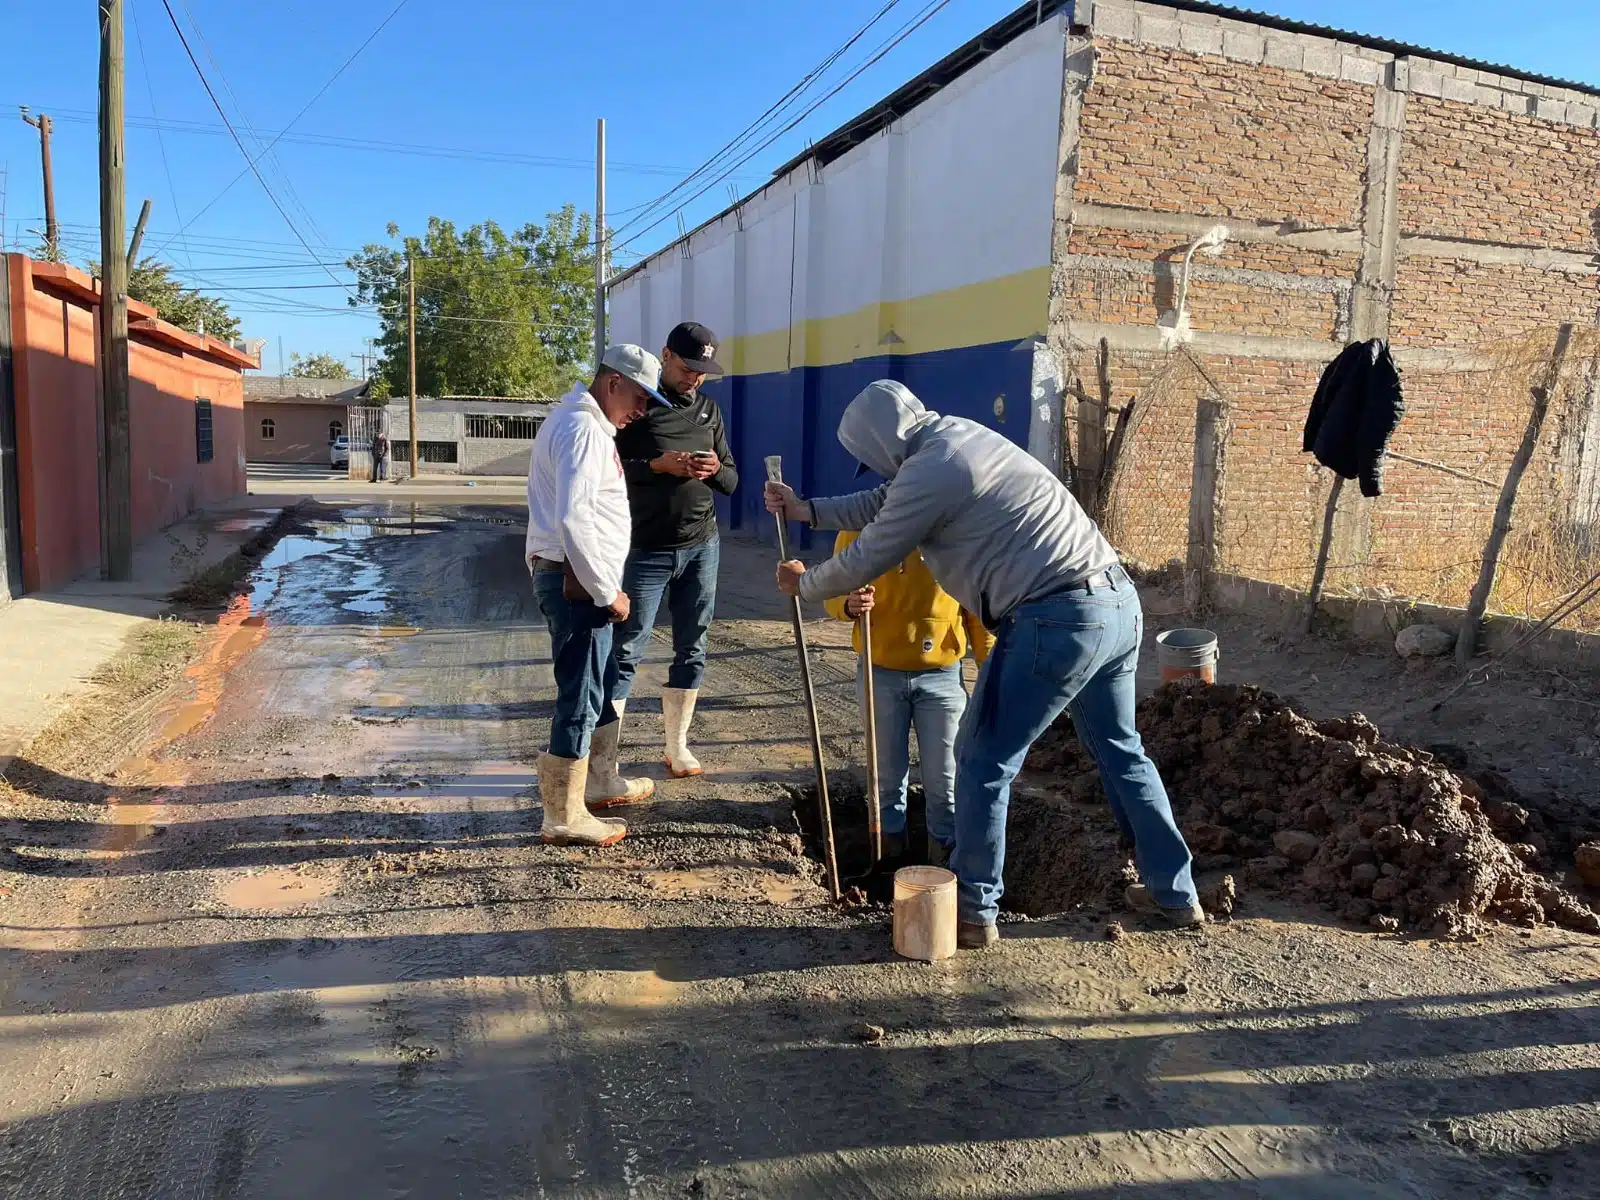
point(1076, 649)
point(580, 653)
point(932, 701)
point(687, 579)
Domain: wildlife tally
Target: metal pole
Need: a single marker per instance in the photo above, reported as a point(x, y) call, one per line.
point(52, 233)
point(830, 859)
point(599, 240)
point(117, 517)
point(411, 335)
point(138, 234)
point(874, 813)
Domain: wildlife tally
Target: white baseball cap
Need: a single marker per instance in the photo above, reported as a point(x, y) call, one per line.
point(637, 364)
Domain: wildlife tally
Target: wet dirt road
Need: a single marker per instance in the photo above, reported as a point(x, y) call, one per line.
point(304, 943)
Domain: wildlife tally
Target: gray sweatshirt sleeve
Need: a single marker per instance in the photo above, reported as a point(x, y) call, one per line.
point(908, 512)
point(850, 512)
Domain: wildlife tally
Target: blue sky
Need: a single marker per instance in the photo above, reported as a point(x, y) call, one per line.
point(508, 90)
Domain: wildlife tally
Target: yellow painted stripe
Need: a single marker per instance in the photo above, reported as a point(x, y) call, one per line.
point(1009, 308)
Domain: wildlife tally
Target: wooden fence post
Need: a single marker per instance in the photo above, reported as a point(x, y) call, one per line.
point(1092, 416)
point(1210, 442)
point(1321, 573)
point(1467, 639)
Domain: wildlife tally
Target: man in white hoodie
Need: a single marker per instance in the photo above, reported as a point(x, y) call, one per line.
point(1006, 538)
point(578, 537)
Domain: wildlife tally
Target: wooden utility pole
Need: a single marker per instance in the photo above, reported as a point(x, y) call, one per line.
point(138, 234)
point(1467, 638)
point(117, 468)
point(52, 234)
point(599, 241)
point(411, 337)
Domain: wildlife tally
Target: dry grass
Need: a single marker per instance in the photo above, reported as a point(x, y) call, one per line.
point(97, 730)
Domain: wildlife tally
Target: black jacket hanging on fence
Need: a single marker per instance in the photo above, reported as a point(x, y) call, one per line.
point(1357, 406)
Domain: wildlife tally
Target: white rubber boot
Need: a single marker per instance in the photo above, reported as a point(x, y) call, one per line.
point(606, 786)
point(677, 711)
point(567, 820)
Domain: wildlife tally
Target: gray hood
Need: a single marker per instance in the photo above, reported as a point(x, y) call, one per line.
point(879, 423)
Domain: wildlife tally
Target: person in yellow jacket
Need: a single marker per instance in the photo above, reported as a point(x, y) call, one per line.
point(920, 634)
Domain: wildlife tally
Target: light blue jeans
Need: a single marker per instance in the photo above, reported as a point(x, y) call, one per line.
point(1074, 650)
point(932, 701)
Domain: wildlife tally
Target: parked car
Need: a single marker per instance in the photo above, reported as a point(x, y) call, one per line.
point(339, 451)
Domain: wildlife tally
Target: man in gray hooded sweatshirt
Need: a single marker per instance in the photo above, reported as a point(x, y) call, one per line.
point(1004, 537)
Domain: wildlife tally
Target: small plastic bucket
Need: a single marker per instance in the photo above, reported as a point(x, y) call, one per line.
point(925, 913)
point(1186, 654)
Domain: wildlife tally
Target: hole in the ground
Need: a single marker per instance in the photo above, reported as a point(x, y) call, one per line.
point(1059, 856)
point(847, 798)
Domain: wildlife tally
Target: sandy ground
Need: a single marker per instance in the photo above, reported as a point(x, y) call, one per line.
point(302, 941)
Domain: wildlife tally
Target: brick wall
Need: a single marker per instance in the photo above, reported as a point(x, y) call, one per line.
point(1494, 176)
point(1451, 210)
point(1172, 131)
point(1457, 302)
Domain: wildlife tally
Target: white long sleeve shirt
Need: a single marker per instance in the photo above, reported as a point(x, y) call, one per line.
point(578, 496)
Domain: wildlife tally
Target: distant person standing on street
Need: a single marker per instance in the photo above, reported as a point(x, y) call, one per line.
point(577, 544)
point(676, 458)
point(380, 458)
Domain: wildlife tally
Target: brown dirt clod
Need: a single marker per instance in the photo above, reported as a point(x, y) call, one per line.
point(1379, 833)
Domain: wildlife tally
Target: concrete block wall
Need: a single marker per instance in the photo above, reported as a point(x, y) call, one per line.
point(1368, 195)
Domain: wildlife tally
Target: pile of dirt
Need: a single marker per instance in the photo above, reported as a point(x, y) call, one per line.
point(1380, 833)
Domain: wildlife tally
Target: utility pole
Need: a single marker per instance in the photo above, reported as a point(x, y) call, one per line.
point(138, 234)
point(52, 235)
point(411, 336)
point(599, 241)
point(117, 517)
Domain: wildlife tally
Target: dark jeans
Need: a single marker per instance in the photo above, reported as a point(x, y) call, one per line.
point(580, 653)
point(687, 579)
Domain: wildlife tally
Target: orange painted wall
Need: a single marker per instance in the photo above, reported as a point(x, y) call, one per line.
point(55, 350)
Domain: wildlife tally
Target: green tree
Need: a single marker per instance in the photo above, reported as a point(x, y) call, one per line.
point(498, 313)
point(317, 366)
point(150, 282)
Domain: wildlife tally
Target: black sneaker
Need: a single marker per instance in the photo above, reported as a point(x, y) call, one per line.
point(975, 935)
point(1143, 901)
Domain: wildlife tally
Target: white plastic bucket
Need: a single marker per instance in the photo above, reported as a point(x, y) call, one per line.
point(1187, 653)
point(925, 913)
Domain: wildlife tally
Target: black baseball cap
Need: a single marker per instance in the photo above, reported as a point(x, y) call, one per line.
point(697, 346)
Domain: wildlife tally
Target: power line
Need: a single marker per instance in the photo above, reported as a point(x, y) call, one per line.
point(750, 130)
point(166, 4)
point(293, 121)
point(377, 146)
point(161, 140)
point(926, 15)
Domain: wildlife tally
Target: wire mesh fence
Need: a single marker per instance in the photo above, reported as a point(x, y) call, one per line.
point(1466, 415)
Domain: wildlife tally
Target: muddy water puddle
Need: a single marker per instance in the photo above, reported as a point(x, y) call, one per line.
point(277, 890)
point(324, 571)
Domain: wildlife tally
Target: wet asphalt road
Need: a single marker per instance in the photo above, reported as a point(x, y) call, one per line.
point(311, 948)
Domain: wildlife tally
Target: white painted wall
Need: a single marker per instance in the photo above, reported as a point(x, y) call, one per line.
point(959, 191)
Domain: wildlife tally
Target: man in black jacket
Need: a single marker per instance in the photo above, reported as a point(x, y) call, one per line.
point(675, 459)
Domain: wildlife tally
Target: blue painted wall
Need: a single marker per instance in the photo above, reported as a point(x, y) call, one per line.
point(796, 414)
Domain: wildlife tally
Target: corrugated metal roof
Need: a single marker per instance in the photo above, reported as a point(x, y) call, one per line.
point(1006, 30)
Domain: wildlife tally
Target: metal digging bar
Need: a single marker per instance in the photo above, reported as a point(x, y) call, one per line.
point(874, 813)
point(824, 808)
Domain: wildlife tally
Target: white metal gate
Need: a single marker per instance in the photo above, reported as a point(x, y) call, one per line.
point(366, 426)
